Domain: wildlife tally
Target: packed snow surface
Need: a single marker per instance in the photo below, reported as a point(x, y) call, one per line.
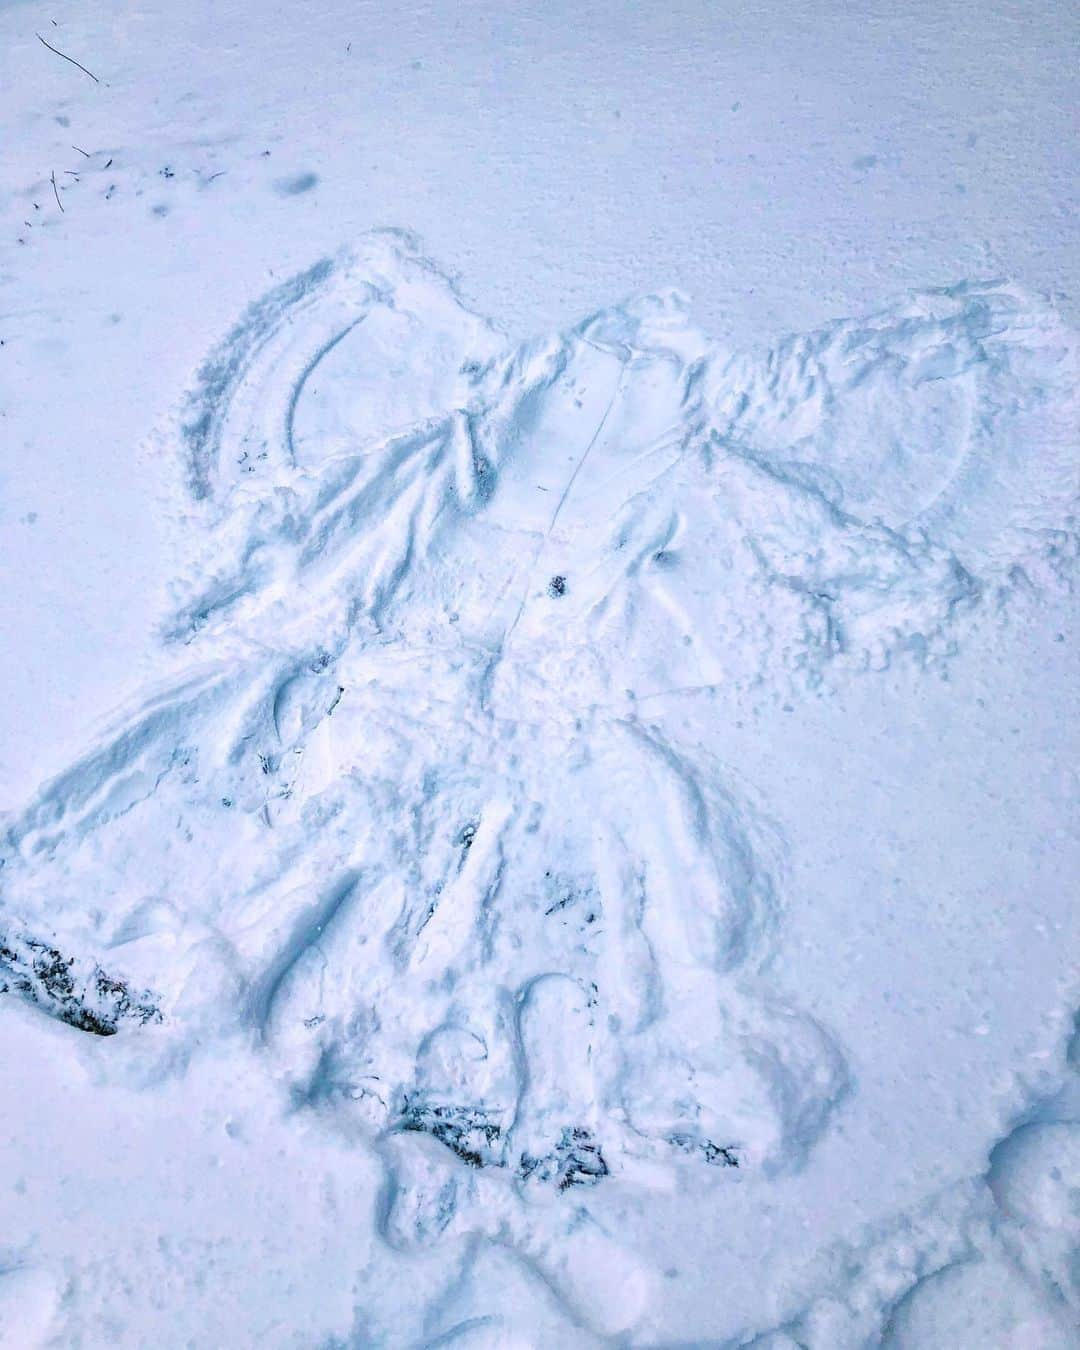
point(404, 865)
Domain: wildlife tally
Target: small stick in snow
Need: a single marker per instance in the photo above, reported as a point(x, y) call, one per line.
point(81, 150)
point(56, 190)
point(68, 58)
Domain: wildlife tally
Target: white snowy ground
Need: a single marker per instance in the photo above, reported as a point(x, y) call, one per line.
point(567, 824)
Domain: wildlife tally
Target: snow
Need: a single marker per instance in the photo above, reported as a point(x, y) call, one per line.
point(582, 848)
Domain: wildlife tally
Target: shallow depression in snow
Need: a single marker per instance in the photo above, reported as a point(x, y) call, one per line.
point(398, 815)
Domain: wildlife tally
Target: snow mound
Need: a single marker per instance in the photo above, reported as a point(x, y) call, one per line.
point(398, 814)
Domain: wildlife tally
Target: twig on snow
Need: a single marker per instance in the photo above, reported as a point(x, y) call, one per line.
point(68, 58)
point(81, 150)
point(56, 190)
